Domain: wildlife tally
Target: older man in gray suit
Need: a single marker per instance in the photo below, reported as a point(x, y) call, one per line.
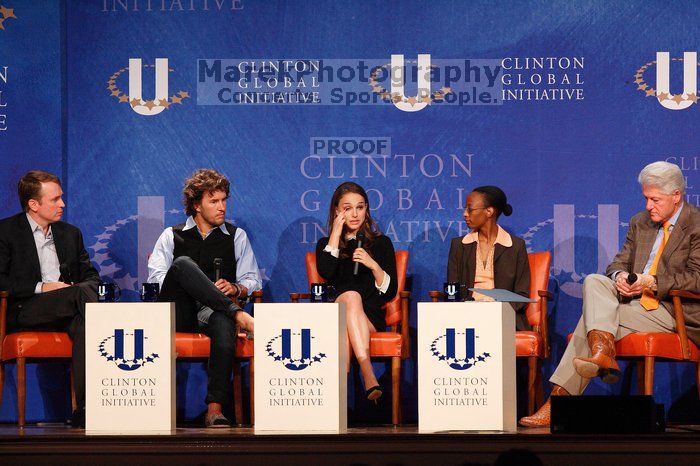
point(661, 253)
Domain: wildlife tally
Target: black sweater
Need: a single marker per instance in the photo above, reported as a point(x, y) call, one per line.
point(339, 273)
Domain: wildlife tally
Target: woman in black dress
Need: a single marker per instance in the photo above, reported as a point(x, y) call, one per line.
point(374, 285)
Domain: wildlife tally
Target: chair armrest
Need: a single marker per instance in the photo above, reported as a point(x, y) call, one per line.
point(436, 296)
point(684, 294)
point(256, 297)
point(544, 294)
point(295, 297)
point(680, 318)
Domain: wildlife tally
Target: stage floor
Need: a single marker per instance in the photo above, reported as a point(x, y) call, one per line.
point(376, 445)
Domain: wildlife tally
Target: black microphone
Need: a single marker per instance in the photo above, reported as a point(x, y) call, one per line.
point(65, 274)
point(631, 278)
point(360, 240)
point(217, 267)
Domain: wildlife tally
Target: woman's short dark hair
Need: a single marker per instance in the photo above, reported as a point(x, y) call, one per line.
point(496, 198)
point(202, 181)
point(369, 226)
point(29, 186)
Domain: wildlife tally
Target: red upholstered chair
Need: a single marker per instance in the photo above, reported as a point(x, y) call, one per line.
point(23, 346)
point(646, 348)
point(195, 346)
point(393, 344)
point(532, 344)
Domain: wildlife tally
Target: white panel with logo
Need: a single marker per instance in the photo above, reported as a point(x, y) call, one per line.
point(130, 367)
point(466, 366)
point(300, 374)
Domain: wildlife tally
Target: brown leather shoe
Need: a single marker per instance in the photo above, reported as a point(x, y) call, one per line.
point(543, 416)
point(602, 362)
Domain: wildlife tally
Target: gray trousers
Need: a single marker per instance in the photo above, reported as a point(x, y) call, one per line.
point(603, 311)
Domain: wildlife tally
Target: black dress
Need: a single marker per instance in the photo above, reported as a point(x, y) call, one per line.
point(339, 273)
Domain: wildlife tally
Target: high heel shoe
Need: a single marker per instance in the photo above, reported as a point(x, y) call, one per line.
point(374, 393)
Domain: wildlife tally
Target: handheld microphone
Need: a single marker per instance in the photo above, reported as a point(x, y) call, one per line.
point(360, 240)
point(631, 278)
point(217, 268)
point(65, 274)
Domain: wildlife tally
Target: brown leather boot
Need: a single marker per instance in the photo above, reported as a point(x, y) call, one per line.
point(543, 416)
point(602, 362)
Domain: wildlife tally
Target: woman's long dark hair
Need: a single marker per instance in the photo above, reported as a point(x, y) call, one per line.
point(369, 226)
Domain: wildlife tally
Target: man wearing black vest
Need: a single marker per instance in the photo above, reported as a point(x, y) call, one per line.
point(204, 265)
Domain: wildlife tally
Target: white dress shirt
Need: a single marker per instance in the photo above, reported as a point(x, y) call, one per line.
point(247, 273)
point(46, 250)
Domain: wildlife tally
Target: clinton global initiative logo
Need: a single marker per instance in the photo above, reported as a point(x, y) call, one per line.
point(170, 6)
point(458, 349)
point(293, 349)
point(424, 95)
point(134, 98)
point(5, 14)
point(581, 243)
point(409, 85)
point(662, 91)
point(112, 349)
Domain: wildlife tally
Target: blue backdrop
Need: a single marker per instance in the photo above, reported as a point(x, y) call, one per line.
point(554, 102)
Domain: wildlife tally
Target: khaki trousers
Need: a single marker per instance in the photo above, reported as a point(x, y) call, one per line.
point(603, 311)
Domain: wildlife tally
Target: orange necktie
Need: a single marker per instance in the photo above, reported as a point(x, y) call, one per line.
point(648, 300)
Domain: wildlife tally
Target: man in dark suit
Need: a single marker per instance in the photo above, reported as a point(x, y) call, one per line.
point(47, 271)
point(661, 252)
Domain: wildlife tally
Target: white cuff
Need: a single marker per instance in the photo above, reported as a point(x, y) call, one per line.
point(614, 275)
point(385, 284)
point(37, 288)
point(335, 252)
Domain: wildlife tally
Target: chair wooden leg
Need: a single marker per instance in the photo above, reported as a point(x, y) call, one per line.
point(251, 367)
point(640, 377)
point(649, 375)
point(73, 399)
point(396, 390)
point(21, 390)
point(531, 379)
point(697, 377)
point(237, 395)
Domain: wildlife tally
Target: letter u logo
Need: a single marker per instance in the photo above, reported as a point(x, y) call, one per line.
point(663, 71)
point(137, 360)
point(161, 86)
point(305, 357)
point(450, 348)
point(398, 82)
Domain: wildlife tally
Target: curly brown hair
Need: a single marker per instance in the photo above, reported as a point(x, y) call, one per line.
point(202, 181)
